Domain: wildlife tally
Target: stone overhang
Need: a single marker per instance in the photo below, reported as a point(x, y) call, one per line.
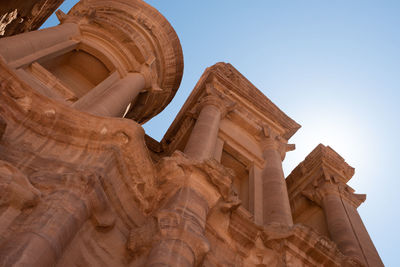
point(321, 160)
point(246, 107)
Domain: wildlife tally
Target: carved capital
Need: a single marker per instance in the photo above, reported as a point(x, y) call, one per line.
point(174, 226)
point(150, 75)
point(329, 185)
point(348, 194)
point(15, 188)
point(86, 186)
point(270, 140)
point(179, 170)
point(61, 16)
point(216, 99)
point(167, 225)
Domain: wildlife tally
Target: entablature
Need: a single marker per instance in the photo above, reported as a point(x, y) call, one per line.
point(268, 246)
point(244, 105)
point(322, 172)
point(323, 161)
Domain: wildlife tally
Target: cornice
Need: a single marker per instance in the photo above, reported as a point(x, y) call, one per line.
point(321, 162)
point(235, 88)
point(235, 82)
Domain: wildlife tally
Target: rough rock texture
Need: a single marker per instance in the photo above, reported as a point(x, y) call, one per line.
point(82, 185)
point(18, 16)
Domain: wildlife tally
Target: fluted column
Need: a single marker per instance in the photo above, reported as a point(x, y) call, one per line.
point(42, 239)
point(203, 139)
point(276, 207)
point(26, 48)
point(111, 100)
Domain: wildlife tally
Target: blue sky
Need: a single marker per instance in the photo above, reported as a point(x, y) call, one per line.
point(333, 66)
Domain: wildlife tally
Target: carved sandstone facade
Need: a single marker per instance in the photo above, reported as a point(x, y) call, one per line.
point(81, 184)
point(18, 16)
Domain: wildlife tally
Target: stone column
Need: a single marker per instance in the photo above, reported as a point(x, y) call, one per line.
point(335, 199)
point(176, 236)
point(16, 194)
point(219, 148)
point(46, 233)
point(111, 100)
point(203, 139)
point(256, 194)
point(27, 47)
point(339, 225)
point(181, 222)
point(276, 207)
point(371, 254)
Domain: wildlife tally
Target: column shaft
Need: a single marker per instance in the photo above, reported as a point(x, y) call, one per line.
point(48, 231)
point(114, 100)
point(369, 250)
point(256, 194)
point(276, 207)
point(182, 223)
point(202, 140)
point(26, 44)
point(339, 226)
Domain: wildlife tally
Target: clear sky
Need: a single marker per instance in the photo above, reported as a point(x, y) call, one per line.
point(332, 66)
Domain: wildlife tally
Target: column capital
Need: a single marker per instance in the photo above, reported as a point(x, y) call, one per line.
point(15, 188)
point(150, 75)
point(270, 140)
point(214, 98)
point(84, 185)
point(329, 185)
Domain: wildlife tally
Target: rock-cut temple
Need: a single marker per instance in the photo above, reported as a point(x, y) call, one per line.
point(81, 184)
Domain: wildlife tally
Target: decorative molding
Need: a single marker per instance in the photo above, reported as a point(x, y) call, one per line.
point(15, 188)
point(239, 94)
point(328, 185)
point(84, 185)
point(116, 147)
point(270, 140)
point(322, 163)
point(147, 39)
